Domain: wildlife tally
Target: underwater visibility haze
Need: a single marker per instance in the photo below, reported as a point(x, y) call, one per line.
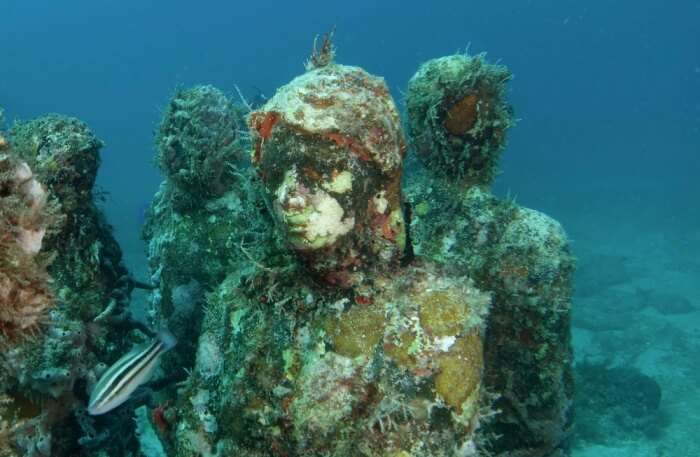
point(362, 229)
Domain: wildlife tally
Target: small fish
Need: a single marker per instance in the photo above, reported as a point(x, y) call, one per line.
point(129, 372)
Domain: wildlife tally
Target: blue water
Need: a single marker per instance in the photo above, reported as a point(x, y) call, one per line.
point(608, 140)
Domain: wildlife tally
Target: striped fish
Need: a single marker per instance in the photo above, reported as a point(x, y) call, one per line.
point(121, 379)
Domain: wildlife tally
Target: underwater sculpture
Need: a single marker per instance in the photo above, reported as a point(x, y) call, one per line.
point(458, 117)
point(306, 325)
point(71, 265)
point(362, 356)
point(194, 234)
point(409, 337)
point(522, 256)
point(322, 335)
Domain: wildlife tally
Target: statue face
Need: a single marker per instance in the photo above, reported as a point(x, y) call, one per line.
point(315, 215)
point(330, 155)
point(341, 215)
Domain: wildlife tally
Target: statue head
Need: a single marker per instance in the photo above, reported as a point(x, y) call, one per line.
point(458, 117)
point(329, 148)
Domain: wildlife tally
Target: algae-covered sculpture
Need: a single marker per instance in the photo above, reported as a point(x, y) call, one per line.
point(408, 340)
point(522, 256)
point(64, 293)
point(324, 304)
point(324, 338)
point(322, 334)
point(204, 213)
point(458, 116)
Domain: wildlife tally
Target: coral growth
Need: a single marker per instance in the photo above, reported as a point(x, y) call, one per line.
point(64, 154)
point(315, 374)
point(322, 56)
point(25, 217)
point(198, 141)
point(9, 424)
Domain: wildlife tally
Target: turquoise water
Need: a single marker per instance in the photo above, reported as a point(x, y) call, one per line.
point(607, 96)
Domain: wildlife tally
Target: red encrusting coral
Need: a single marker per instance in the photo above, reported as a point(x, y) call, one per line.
point(265, 124)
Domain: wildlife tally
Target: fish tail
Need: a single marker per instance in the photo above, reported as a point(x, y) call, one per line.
point(167, 338)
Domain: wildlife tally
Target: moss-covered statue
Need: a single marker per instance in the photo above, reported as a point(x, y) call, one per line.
point(338, 349)
point(64, 294)
point(316, 331)
point(457, 122)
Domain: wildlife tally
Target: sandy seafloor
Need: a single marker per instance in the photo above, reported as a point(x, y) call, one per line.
point(638, 299)
point(637, 245)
